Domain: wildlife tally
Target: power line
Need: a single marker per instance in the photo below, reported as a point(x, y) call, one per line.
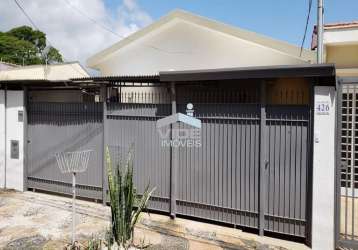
point(115, 33)
point(24, 12)
point(17, 2)
point(91, 19)
point(36, 27)
point(306, 27)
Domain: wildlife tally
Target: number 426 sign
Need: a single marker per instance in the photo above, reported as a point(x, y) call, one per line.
point(322, 108)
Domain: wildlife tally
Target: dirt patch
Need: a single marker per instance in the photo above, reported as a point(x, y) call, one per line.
point(30, 243)
point(171, 243)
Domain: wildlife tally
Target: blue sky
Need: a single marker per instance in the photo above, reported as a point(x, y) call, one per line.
point(78, 38)
point(280, 19)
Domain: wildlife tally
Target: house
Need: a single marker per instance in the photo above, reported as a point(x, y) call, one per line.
point(185, 41)
point(340, 42)
point(204, 59)
point(266, 162)
point(255, 164)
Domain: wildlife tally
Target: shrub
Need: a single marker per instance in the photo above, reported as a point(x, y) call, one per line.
point(126, 205)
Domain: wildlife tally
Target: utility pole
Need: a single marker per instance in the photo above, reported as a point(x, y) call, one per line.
point(320, 31)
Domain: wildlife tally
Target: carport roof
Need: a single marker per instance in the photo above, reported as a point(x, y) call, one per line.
point(325, 71)
point(322, 74)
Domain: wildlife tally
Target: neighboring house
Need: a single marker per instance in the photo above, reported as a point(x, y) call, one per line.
point(5, 65)
point(184, 41)
point(46, 83)
point(340, 42)
point(53, 72)
point(340, 47)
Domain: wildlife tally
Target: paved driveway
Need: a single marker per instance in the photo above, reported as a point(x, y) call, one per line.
point(39, 221)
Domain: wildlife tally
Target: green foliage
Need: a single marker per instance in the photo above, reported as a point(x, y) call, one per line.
point(54, 55)
point(125, 204)
point(109, 237)
point(26, 33)
point(25, 45)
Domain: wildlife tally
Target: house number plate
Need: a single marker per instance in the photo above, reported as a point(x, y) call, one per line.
point(322, 108)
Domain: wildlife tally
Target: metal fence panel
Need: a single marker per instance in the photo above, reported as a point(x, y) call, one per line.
point(136, 123)
point(288, 163)
point(64, 127)
point(219, 180)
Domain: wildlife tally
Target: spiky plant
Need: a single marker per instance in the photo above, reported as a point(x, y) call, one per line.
point(126, 206)
point(94, 243)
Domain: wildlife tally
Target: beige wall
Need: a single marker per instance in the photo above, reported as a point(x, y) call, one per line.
point(187, 46)
point(341, 48)
point(344, 56)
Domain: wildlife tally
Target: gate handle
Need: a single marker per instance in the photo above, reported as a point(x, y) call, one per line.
point(266, 163)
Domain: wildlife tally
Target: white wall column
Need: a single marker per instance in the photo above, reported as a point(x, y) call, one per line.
point(2, 138)
point(15, 140)
point(323, 168)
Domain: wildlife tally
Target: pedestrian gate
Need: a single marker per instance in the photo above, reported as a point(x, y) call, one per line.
point(64, 127)
point(347, 165)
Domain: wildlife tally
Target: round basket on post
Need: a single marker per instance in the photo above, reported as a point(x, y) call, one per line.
point(73, 163)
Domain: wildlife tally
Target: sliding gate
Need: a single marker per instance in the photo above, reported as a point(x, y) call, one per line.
point(252, 168)
point(221, 179)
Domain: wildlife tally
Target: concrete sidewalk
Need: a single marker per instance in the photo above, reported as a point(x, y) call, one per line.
point(41, 221)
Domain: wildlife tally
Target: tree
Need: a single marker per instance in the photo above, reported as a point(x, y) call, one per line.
point(23, 45)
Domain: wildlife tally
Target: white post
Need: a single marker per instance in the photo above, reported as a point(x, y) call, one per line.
point(323, 168)
point(14, 145)
point(2, 139)
point(73, 207)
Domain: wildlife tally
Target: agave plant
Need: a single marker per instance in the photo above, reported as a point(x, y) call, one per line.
point(126, 205)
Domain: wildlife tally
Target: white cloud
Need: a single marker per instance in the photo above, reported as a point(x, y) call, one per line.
point(71, 32)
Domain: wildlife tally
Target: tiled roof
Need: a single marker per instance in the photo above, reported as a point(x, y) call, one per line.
point(332, 26)
point(341, 25)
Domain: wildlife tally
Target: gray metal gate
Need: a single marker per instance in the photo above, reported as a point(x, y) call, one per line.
point(252, 169)
point(221, 180)
point(136, 123)
point(57, 127)
point(289, 162)
point(347, 165)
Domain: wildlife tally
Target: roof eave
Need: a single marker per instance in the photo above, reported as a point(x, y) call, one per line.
point(284, 71)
